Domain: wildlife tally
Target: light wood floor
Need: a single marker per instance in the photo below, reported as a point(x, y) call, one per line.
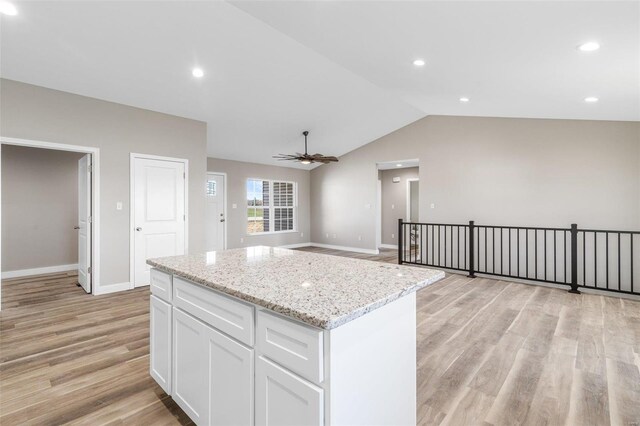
point(489, 352)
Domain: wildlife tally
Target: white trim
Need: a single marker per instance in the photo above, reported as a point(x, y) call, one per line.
point(292, 246)
point(95, 195)
point(38, 271)
point(345, 248)
point(389, 246)
point(132, 157)
point(409, 180)
point(113, 288)
point(226, 216)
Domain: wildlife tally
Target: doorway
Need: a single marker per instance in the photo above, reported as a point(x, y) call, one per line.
point(159, 218)
point(216, 211)
point(50, 212)
point(398, 195)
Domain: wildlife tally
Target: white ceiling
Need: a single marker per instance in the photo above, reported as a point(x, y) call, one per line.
point(342, 70)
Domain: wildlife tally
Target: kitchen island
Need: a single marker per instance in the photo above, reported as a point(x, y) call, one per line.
point(271, 336)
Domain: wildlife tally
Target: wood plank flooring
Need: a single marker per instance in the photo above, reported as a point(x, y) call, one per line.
point(489, 353)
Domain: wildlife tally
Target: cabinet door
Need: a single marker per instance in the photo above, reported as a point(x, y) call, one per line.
point(283, 398)
point(230, 381)
point(190, 369)
point(160, 343)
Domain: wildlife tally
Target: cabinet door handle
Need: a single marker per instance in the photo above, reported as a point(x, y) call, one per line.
point(138, 229)
point(222, 220)
point(76, 227)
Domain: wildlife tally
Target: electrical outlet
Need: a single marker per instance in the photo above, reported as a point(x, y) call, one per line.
point(234, 206)
point(301, 234)
point(433, 205)
point(359, 237)
point(119, 205)
point(393, 206)
point(327, 235)
point(241, 240)
point(393, 236)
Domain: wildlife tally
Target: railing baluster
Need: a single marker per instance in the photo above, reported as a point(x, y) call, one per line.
point(595, 259)
point(535, 249)
point(619, 268)
point(545, 254)
point(607, 258)
point(526, 242)
point(631, 247)
point(555, 257)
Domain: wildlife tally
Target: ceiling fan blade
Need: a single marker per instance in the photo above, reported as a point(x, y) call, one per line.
point(326, 160)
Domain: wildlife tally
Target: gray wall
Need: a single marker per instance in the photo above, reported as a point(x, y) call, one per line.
point(39, 208)
point(237, 174)
point(394, 201)
point(32, 112)
point(493, 171)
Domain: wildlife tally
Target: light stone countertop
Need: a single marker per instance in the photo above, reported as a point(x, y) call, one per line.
point(321, 290)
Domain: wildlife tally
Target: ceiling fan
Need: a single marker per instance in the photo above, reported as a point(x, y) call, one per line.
point(306, 158)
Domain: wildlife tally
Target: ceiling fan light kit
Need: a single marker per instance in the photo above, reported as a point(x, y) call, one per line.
point(306, 158)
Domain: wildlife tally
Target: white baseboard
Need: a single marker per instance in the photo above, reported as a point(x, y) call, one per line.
point(292, 246)
point(38, 271)
point(389, 246)
point(345, 248)
point(112, 288)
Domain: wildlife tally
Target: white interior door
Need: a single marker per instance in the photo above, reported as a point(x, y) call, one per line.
point(159, 213)
point(215, 212)
point(84, 222)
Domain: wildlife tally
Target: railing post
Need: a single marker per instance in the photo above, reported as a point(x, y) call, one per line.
point(400, 242)
point(574, 259)
point(472, 272)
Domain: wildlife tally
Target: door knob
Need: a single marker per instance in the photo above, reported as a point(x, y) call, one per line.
point(138, 229)
point(221, 220)
point(76, 227)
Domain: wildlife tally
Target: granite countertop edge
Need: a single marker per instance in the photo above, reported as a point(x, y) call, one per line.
point(323, 323)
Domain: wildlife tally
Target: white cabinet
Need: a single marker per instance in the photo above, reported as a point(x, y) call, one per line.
point(190, 366)
point(160, 343)
point(230, 373)
point(283, 398)
point(213, 374)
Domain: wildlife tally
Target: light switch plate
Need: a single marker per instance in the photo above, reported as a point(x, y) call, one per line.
point(234, 206)
point(119, 205)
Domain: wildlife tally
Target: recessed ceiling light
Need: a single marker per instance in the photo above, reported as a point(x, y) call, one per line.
point(197, 72)
point(419, 62)
point(464, 99)
point(591, 99)
point(589, 46)
point(7, 8)
point(398, 165)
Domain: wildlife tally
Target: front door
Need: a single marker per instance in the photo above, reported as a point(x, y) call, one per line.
point(84, 222)
point(215, 212)
point(159, 213)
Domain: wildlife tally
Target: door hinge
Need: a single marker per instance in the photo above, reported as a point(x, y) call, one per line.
point(184, 175)
point(90, 219)
point(89, 270)
point(184, 217)
point(90, 168)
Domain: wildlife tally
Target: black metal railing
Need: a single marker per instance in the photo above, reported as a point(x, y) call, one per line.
point(588, 258)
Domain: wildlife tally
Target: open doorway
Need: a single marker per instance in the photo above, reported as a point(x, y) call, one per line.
point(398, 194)
point(47, 215)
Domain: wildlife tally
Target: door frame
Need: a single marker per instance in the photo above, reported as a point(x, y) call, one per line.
point(226, 216)
point(95, 196)
point(409, 180)
point(132, 158)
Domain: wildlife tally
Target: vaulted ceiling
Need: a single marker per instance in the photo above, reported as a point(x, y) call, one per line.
point(343, 70)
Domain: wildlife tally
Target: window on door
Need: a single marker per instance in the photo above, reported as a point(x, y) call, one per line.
point(271, 206)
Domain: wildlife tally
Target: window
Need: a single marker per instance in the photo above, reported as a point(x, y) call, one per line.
point(271, 206)
point(211, 188)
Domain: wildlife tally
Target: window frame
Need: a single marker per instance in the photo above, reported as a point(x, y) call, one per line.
point(272, 208)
